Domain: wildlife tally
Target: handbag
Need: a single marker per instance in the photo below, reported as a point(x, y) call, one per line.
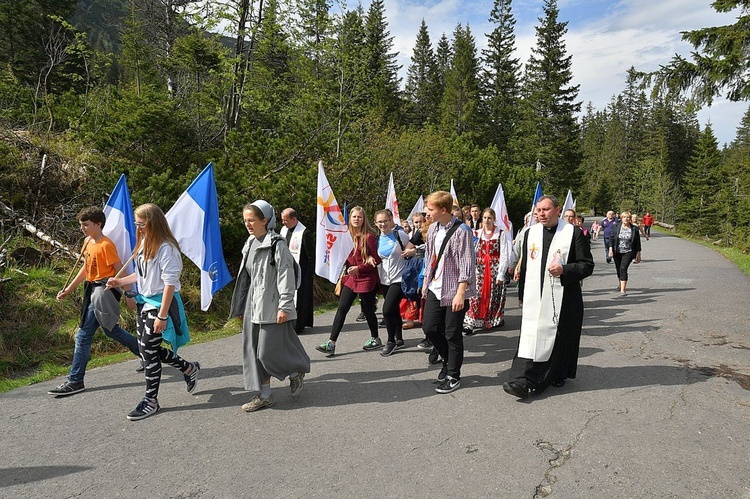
point(337, 290)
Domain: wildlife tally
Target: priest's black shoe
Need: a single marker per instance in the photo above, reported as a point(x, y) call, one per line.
point(516, 388)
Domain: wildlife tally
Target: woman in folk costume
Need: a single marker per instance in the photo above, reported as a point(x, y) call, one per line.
point(487, 310)
point(264, 299)
point(161, 315)
point(555, 258)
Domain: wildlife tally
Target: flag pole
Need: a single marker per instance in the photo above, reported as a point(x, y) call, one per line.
point(124, 266)
point(85, 245)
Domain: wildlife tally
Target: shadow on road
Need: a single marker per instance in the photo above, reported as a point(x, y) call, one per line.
point(28, 474)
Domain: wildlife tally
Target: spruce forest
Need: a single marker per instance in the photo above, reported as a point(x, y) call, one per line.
point(146, 88)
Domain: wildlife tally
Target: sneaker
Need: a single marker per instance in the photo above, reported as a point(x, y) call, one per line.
point(141, 366)
point(448, 385)
point(434, 357)
point(381, 323)
point(66, 389)
point(328, 348)
point(145, 409)
point(388, 349)
point(258, 403)
point(400, 344)
point(192, 379)
point(443, 372)
point(361, 317)
point(425, 345)
point(297, 384)
point(372, 344)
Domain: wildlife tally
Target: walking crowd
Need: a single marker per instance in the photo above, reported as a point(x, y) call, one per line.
point(446, 270)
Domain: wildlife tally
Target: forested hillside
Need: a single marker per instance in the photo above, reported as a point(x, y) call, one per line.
point(143, 87)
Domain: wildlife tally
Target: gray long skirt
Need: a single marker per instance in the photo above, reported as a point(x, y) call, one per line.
point(271, 350)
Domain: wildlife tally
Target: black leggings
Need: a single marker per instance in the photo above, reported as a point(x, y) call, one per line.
point(622, 262)
point(392, 311)
point(153, 354)
point(346, 300)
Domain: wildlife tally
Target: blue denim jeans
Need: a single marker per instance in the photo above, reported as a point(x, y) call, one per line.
point(84, 337)
point(608, 242)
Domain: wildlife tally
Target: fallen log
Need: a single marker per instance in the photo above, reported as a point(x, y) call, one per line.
point(31, 228)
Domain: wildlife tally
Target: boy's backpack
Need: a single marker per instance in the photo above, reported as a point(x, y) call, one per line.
point(410, 278)
point(297, 269)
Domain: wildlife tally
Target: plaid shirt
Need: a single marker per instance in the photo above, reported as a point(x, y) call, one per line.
point(459, 262)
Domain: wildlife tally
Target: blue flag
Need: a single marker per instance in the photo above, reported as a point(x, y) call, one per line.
point(194, 220)
point(537, 195)
point(119, 227)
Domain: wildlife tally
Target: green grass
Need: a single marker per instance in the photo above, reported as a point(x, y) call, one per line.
point(740, 259)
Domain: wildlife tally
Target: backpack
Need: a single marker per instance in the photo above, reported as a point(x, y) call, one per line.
point(410, 278)
point(297, 269)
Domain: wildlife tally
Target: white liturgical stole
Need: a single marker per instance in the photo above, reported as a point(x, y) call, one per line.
point(540, 311)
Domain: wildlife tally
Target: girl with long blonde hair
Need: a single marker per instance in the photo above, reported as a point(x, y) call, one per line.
point(360, 279)
point(161, 314)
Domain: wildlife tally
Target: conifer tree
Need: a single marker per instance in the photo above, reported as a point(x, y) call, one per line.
point(460, 111)
point(699, 213)
point(736, 190)
point(422, 98)
point(381, 67)
point(443, 56)
point(501, 77)
point(720, 61)
point(549, 132)
point(350, 70)
point(270, 78)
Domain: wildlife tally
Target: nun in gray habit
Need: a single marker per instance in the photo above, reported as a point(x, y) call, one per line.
point(264, 299)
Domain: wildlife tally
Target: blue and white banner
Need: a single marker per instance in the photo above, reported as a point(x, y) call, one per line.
point(194, 220)
point(119, 227)
point(537, 195)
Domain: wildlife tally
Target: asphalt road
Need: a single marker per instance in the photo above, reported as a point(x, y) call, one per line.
point(660, 408)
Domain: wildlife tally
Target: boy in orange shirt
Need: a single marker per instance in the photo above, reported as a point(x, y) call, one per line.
point(101, 306)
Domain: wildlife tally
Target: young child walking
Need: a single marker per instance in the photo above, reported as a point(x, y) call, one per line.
point(101, 305)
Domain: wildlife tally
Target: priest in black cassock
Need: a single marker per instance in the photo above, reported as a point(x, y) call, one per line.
point(302, 246)
point(556, 257)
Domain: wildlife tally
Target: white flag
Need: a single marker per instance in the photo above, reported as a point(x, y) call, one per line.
point(418, 208)
point(453, 195)
point(503, 221)
point(569, 204)
point(334, 243)
point(391, 202)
